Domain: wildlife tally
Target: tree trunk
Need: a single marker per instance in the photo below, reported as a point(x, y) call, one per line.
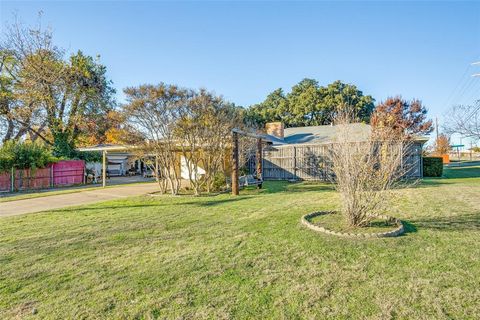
point(9, 133)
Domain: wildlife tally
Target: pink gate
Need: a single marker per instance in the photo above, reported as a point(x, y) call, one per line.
point(68, 172)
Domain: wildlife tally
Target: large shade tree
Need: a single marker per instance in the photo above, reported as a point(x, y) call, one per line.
point(47, 95)
point(309, 104)
point(19, 115)
point(269, 110)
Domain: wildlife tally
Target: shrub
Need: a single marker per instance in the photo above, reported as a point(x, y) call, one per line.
point(219, 182)
point(366, 172)
point(432, 167)
point(24, 155)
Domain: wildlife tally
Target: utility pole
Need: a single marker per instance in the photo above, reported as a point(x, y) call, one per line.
point(458, 149)
point(436, 126)
point(104, 168)
point(235, 164)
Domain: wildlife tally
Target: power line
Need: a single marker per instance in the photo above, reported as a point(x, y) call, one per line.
point(465, 89)
point(474, 111)
point(470, 85)
point(475, 95)
point(460, 83)
point(477, 101)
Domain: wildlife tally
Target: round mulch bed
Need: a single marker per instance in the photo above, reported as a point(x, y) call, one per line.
point(398, 230)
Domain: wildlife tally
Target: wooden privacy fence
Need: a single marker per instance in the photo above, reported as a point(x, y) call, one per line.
point(311, 162)
point(62, 173)
point(303, 162)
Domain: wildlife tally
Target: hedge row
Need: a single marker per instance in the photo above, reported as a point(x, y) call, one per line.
point(432, 166)
point(24, 155)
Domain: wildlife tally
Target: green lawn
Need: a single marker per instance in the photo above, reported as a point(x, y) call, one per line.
point(245, 257)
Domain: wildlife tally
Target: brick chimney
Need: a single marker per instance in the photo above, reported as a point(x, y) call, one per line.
point(275, 129)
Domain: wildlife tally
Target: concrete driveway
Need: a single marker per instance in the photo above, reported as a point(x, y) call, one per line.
point(17, 207)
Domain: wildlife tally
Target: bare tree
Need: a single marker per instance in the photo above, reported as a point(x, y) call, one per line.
point(224, 117)
point(154, 111)
point(366, 170)
point(191, 131)
point(203, 133)
point(464, 120)
point(442, 145)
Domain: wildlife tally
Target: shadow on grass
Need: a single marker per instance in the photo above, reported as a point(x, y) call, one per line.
point(433, 182)
point(429, 182)
point(409, 227)
point(462, 172)
point(285, 186)
point(97, 208)
point(199, 203)
point(453, 223)
point(216, 202)
point(449, 176)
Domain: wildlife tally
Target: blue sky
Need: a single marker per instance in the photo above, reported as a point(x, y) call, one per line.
point(244, 50)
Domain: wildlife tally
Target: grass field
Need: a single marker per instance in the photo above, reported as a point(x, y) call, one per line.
point(245, 257)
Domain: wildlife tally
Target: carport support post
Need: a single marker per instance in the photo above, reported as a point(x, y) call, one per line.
point(104, 168)
point(259, 161)
point(235, 164)
point(12, 180)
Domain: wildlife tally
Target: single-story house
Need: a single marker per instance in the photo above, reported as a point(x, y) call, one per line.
point(288, 154)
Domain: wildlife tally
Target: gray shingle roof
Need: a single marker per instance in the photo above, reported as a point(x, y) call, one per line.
point(319, 134)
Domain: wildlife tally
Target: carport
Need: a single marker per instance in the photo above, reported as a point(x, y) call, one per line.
point(104, 149)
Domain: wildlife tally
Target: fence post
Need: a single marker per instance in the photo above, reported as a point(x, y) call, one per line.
point(259, 163)
point(295, 163)
point(12, 180)
point(84, 171)
point(51, 177)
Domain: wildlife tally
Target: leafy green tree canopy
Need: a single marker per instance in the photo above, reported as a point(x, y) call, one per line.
point(309, 104)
